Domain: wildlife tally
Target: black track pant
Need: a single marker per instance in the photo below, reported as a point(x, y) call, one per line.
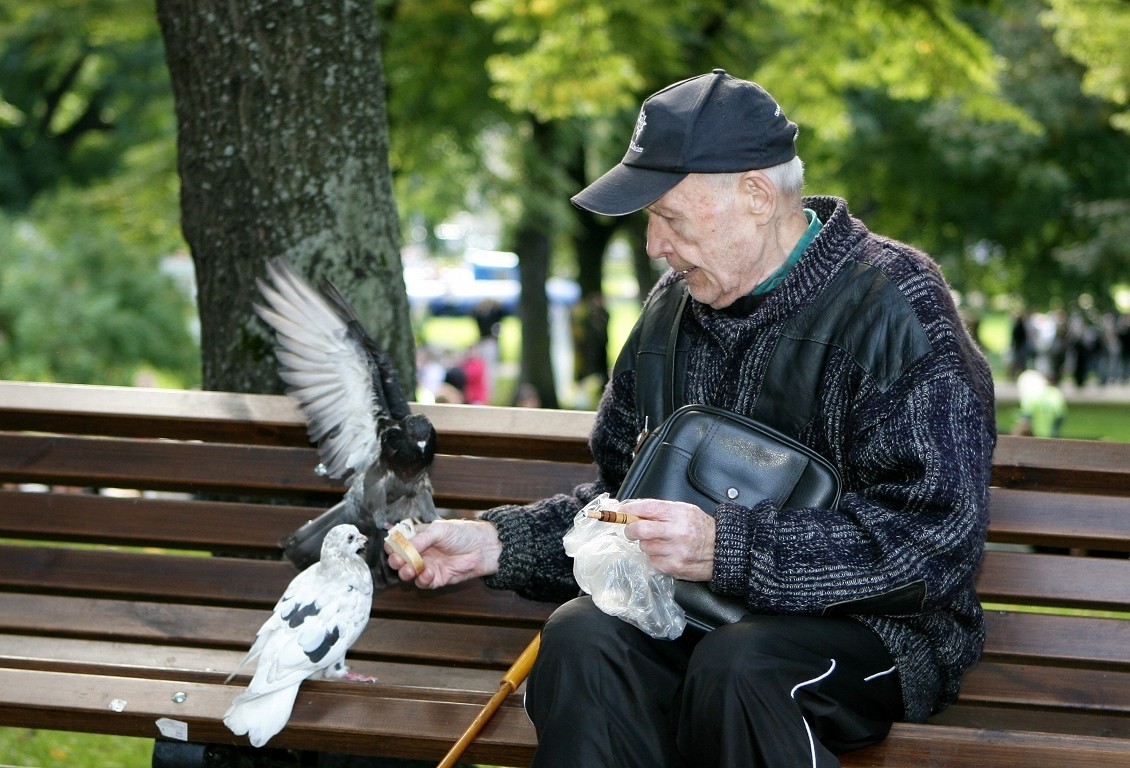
point(770, 691)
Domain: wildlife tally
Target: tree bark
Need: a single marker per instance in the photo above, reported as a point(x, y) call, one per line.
point(536, 369)
point(283, 151)
point(533, 242)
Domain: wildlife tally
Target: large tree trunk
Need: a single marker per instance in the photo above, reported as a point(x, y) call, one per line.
point(533, 244)
point(536, 369)
point(283, 151)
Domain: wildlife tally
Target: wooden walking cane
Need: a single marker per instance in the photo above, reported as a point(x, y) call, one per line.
point(509, 683)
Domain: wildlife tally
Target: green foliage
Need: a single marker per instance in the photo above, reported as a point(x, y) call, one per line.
point(819, 54)
point(538, 70)
point(443, 126)
point(1095, 33)
point(79, 304)
point(82, 84)
point(88, 178)
point(1028, 209)
point(954, 124)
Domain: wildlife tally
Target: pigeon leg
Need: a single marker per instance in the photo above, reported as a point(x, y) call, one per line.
point(358, 677)
point(340, 671)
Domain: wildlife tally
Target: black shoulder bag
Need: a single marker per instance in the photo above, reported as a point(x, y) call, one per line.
point(706, 455)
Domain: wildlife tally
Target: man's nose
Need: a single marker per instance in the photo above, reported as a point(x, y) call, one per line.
point(657, 245)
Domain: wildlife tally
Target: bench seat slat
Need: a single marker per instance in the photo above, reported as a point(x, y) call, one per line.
point(1004, 718)
point(331, 716)
point(480, 645)
point(911, 744)
point(156, 662)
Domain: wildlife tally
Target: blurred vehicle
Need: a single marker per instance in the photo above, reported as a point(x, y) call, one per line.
point(483, 277)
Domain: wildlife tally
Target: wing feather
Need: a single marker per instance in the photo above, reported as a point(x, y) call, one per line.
point(327, 371)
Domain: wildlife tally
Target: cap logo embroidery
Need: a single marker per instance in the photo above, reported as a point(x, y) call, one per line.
point(641, 121)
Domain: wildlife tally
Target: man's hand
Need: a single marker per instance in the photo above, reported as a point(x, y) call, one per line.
point(677, 537)
point(453, 551)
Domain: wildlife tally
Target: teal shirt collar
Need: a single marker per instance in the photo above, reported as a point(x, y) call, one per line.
point(782, 271)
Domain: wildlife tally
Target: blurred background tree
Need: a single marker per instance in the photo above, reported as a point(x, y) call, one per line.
point(994, 135)
point(88, 205)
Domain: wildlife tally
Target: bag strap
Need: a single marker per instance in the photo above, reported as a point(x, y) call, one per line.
point(788, 398)
point(662, 354)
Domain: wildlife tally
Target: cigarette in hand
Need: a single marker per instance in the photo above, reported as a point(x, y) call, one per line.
point(611, 516)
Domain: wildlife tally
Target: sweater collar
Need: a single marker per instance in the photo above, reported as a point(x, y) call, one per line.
point(745, 305)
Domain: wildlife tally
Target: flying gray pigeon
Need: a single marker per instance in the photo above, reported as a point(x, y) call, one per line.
point(348, 391)
point(318, 618)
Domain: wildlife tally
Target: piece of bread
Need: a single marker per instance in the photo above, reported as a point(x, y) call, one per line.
point(399, 544)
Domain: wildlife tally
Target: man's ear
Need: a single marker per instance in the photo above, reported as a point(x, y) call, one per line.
point(760, 195)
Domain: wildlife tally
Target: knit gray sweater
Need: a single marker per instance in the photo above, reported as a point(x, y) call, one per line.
point(912, 440)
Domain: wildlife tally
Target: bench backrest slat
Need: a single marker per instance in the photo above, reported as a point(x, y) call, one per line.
point(1021, 578)
point(1061, 465)
point(235, 582)
point(1056, 639)
point(271, 470)
point(1060, 519)
point(172, 523)
point(556, 435)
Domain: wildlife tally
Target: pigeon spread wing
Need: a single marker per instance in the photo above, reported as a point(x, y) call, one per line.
point(350, 396)
point(319, 617)
point(328, 370)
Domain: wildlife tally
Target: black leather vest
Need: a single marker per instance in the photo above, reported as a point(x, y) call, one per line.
point(860, 311)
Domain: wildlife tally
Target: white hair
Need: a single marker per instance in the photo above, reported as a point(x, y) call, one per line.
point(788, 178)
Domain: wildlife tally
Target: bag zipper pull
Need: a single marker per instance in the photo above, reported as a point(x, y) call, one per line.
point(641, 437)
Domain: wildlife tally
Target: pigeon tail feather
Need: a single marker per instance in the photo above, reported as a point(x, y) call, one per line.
point(303, 547)
point(260, 716)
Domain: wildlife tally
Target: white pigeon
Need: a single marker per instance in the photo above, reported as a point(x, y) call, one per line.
point(318, 618)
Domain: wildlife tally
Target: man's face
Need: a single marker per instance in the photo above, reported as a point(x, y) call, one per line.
point(704, 228)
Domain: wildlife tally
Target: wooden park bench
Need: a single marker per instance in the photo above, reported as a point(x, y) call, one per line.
point(138, 556)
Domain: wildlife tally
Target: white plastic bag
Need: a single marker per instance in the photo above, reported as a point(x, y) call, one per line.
point(619, 576)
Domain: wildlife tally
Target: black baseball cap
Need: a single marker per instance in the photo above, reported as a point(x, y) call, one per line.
point(712, 123)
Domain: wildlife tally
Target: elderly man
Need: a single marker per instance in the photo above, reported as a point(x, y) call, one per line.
point(859, 615)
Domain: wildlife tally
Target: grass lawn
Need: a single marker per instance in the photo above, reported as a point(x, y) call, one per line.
point(1084, 421)
point(56, 749)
